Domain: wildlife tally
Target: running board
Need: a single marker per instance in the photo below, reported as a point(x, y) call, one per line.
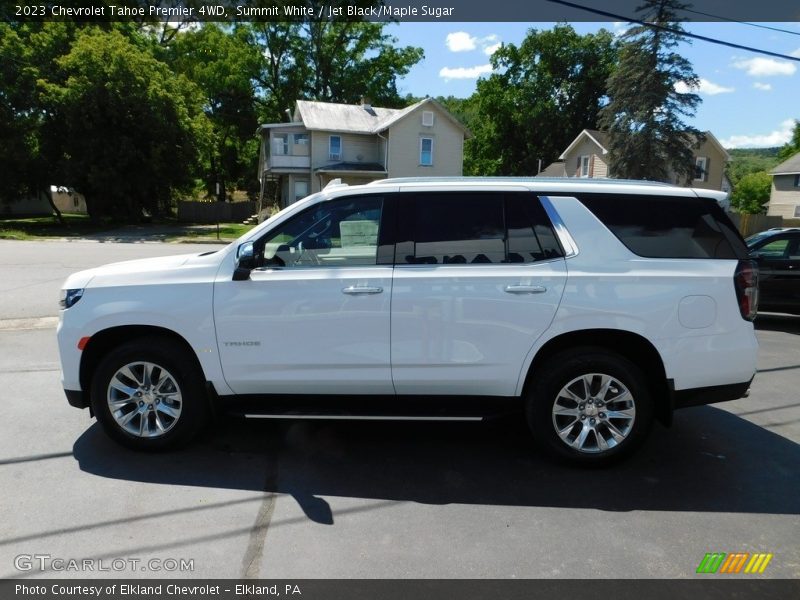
point(334, 417)
point(369, 408)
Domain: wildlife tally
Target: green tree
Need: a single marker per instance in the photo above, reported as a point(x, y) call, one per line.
point(121, 128)
point(224, 66)
point(328, 61)
point(792, 147)
point(545, 91)
point(27, 54)
point(649, 96)
point(752, 193)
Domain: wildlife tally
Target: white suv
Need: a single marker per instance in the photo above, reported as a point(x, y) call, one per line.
point(595, 307)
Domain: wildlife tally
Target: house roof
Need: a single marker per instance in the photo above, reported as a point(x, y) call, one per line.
point(554, 169)
point(788, 167)
point(602, 140)
point(356, 118)
point(347, 118)
point(598, 137)
point(354, 166)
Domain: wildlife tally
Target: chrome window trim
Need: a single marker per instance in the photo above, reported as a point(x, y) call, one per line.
point(567, 241)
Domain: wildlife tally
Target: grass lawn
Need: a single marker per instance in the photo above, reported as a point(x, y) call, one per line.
point(48, 227)
point(227, 231)
point(37, 228)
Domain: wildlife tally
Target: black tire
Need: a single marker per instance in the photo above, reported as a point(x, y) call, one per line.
point(550, 378)
point(172, 357)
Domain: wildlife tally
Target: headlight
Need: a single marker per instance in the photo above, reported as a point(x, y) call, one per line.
point(69, 297)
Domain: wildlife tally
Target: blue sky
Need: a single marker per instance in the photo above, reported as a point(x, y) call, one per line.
point(749, 100)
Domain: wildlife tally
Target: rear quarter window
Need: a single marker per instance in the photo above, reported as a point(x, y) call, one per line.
point(668, 226)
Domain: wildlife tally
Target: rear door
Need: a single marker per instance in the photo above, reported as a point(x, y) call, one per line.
point(478, 278)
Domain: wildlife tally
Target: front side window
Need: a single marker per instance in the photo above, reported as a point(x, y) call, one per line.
point(341, 232)
point(456, 228)
point(426, 152)
point(335, 147)
point(776, 249)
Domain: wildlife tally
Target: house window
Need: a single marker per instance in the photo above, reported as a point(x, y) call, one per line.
point(701, 168)
point(300, 189)
point(797, 211)
point(280, 144)
point(583, 165)
point(426, 152)
point(301, 139)
point(427, 118)
point(797, 180)
point(335, 147)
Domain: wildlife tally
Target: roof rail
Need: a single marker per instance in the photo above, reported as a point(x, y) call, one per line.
point(335, 183)
point(468, 179)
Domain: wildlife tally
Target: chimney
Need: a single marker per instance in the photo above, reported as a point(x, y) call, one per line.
point(365, 103)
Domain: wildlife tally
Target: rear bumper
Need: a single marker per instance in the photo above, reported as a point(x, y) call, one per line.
point(77, 398)
point(708, 395)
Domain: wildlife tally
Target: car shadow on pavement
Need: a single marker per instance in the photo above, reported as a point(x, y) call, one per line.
point(775, 322)
point(709, 461)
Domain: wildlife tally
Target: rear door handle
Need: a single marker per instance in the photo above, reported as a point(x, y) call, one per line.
point(354, 290)
point(525, 289)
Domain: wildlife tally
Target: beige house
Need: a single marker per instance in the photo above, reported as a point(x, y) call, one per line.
point(587, 156)
point(65, 199)
point(358, 144)
point(784, 199)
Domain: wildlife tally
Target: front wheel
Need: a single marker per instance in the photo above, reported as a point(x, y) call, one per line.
point(589, 406)
point(148, 394)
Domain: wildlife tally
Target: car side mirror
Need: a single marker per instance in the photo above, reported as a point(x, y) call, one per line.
point(245, 261)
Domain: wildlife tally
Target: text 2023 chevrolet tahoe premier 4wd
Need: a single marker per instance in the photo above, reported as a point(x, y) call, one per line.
point(595, 306)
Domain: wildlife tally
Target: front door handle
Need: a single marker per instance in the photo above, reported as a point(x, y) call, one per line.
point(525, 289)
point(354, 290)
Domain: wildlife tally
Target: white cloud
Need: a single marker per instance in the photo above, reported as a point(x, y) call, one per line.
point(461, 41)
point(765, 87)
point(706, 87)
point(465, 72)
point(774, 138)
point(620, 28)
point(489, 50)
point(765, 67)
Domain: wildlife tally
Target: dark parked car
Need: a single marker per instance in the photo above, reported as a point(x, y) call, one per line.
point(778, 254)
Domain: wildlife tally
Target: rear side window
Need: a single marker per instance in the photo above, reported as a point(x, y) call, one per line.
point(668, 226)
point(452, 228)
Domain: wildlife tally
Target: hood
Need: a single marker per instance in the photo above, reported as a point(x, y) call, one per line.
point(143, 271)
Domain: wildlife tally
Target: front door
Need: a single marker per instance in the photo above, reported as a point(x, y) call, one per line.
point(779, 274)
point(478, 278)
point(314, 317)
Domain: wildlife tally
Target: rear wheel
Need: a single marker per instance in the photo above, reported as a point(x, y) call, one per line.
point(589, 406)
point(148, 394)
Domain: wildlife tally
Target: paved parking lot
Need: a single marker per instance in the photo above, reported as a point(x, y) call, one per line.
point(319, 499)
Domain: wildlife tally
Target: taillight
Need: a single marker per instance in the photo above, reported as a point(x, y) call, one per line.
point(745, 280)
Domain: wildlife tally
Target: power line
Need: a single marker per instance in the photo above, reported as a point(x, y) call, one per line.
point(676, 31)
point(729, 20)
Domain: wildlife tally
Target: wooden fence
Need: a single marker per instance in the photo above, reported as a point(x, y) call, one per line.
point(213, 212)
point(750, 224)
